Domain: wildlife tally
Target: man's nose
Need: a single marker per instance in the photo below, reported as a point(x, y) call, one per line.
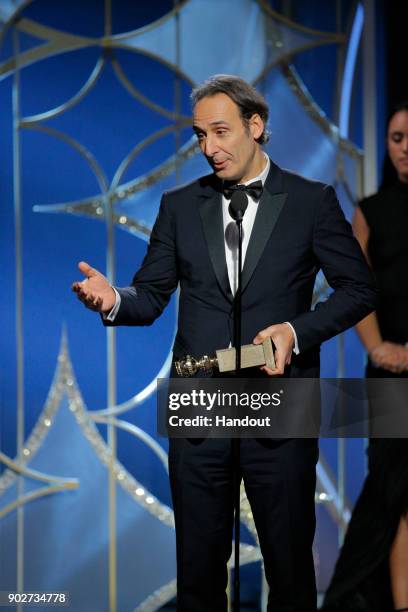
point(404, 144)
point(210, 147)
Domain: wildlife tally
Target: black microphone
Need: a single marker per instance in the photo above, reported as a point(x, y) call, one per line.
point(237, 208)
point(238, 205)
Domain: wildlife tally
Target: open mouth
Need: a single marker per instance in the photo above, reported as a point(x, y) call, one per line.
point(220, 165)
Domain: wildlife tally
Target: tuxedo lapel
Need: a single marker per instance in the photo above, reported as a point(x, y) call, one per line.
point(269, 209)
point(213, 225)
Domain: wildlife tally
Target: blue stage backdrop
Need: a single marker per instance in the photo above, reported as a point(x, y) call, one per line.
point(94, 126)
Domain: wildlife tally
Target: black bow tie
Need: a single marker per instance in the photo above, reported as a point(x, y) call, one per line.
point(253, 189)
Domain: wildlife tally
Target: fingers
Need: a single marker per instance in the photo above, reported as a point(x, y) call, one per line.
point(79, 289)
point(261, 336)
point(268, 371)
point(389, 356)
point(279, 367)
point(86, 269)
point(394, 369)
point(89, 300)
point(390, 364)
point(399, 364)
point(276, 372)
point(280, 363)
point(283, 340)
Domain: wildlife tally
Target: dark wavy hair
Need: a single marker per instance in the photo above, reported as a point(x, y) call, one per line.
point(246, 97)
point(389, 173)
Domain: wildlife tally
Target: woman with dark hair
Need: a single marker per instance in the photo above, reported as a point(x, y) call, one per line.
point(371, 574)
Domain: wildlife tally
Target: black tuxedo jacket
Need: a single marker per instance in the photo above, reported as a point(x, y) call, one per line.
point(299, 228)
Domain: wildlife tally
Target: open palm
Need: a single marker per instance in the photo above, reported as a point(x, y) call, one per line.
point(95, 291)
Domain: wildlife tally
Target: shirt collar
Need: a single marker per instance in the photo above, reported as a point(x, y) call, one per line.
point(262, 176)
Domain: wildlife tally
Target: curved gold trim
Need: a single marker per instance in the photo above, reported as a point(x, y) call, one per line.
point(96, 211)
point(64, 384)
point(125, 190)
point(140, 397)
point(122, 477)
point(135, 93)
point(35, 474)
point(247, 554)
point(322, 498)
point(48, 33)
point(13, 18)
point(124, 165)
point(338, 39)
point(333, 510)
point(349, 193)
point(93, 206)
point(28, 497)
point(154, 24)
point(137, 432)
point(57, 42)
point(13, 15)
point(343, 181)
point(81, 149)
point(51, 48)
point(31, 56)
point(158, 598)
point(74, 42)
point(75, 99)
point(291, 24)
point(316, 113)
point(246, 515)
point(286, 57)
point(159, 59)
point(136, 228)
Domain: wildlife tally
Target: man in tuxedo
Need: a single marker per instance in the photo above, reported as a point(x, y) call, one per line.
point(292, 228)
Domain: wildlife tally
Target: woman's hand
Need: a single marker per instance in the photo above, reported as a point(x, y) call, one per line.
point(390, 356)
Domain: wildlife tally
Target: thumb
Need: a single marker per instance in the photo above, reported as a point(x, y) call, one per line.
point(263, 335)
point(86, 269)
point(260, 337)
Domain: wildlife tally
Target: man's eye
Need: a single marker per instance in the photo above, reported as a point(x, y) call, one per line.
point(200, 136)
point(221, 132)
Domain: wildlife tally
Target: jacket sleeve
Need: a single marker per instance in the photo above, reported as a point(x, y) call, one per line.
point(339, 256)
point(151, 288)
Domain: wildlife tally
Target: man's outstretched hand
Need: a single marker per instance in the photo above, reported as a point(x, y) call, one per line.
point(282, 337)
point(95, 292)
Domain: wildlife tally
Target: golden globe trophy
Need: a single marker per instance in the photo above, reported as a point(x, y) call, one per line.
point(252, 355)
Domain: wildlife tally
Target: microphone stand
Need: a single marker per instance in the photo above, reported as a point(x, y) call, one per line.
point(236, 441)
point(239, 203)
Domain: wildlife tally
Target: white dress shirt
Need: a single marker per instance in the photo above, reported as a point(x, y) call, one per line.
point(231, 230)
point(231, 236)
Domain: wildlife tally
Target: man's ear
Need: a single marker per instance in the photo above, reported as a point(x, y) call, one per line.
point(256, 125)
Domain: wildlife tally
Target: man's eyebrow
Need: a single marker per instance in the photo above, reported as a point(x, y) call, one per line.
point(197, 128)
